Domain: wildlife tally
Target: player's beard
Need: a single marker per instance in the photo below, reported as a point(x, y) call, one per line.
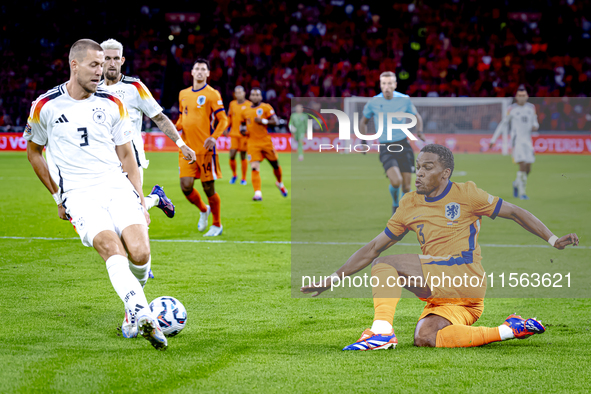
point(112, 75)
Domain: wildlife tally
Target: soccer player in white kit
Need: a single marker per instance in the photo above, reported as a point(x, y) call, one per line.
point(139, 101)
point(523, 118)
point(93, 176)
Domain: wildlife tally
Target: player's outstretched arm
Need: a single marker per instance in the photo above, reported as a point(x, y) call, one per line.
point(504, 123)
point(167, 127)
point(35, 156)
point(129, 165)
point(532, 224)
point(358, 261)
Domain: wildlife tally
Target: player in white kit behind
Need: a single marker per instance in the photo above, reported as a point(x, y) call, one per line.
point(523, 120)
point(93, 176)
point(139, 101)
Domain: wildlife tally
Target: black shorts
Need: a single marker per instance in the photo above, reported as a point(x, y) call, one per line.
point(404, 160)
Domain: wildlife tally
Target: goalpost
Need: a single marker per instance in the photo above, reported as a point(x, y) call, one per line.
point(449, 114)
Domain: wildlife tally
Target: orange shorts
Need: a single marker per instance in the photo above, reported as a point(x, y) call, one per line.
point(259, 152)
point(206, 167)
point(458, 286)
point(239, 143)
point(457, 314)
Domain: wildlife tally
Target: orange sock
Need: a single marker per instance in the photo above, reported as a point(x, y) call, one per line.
point(466, 336)
point(195, 199)
point(278, 173)
point(244, 168)
point(214, 204)
point(385, 298)
point(233, 166)
point(256, 180)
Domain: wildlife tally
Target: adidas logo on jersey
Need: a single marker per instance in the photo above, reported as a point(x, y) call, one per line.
point(62, 119)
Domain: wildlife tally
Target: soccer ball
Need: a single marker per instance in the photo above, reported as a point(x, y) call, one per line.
point(171, 315)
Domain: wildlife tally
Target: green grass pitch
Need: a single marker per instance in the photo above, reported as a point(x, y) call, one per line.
point(245, 331)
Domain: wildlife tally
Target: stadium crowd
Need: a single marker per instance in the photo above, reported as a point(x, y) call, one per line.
point(327, 48)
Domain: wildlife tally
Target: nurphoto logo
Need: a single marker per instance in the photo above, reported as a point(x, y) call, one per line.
point(345, 130)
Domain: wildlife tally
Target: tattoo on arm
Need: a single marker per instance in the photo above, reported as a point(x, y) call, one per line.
point(166, 126)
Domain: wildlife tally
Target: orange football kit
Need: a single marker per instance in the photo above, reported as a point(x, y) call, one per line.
point(238, 141)
point(198, 111)
point(260, 145)
point(447, 228)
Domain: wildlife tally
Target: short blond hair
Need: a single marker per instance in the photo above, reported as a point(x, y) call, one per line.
point(387, 74)
point(80, 47)
point(112, 44)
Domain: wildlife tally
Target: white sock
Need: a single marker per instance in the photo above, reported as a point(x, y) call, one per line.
point(506, 332)
point(523, 180)
point(126, 285)
point(151, 201)
point(520, 186)
point(517, 178)
point(381, 327)
point(141, 272)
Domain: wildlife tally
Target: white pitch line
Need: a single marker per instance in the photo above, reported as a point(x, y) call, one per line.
point(221, 241)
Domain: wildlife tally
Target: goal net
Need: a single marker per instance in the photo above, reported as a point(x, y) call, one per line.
point(457, 115)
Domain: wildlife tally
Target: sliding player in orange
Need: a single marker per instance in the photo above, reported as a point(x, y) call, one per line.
point(199, 107)
point(259, 147)
point(446, 217)
point(238, 140)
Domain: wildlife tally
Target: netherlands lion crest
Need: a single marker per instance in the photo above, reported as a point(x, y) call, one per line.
point(452, 211)
point(200, 100)
point(259, 112)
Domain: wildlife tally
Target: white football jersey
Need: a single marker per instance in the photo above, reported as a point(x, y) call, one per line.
point(139, 101)
point(80, 136)
point(521, 119)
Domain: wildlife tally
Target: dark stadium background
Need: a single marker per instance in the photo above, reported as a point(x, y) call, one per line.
point(305, 48)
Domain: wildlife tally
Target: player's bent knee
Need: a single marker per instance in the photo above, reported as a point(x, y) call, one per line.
point(107, 244)
point(138, 252)
point(140, 257)
point(395, 182)
point(209, 188)
point(424, 341)
point(187, 186)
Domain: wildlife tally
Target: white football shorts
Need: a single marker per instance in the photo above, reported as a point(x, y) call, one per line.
point(111, 207)
point(523, 153)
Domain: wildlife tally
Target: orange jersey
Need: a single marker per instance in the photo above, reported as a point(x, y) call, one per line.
point(198, 109)
point(257, 133)
point(235, 114)
point(448, 224)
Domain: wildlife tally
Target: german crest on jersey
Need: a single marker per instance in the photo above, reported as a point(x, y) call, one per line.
point(99, 116)
point(200, 100)
point(259, 112)
point(452, 211)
